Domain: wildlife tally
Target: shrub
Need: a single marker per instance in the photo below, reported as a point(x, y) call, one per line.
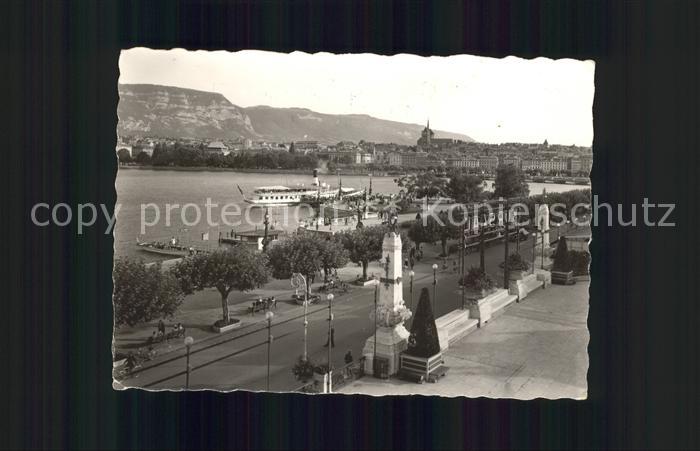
point(562, 262)
point(423, 341)
point(579, 261)
point(476, 279)
point(516, 263)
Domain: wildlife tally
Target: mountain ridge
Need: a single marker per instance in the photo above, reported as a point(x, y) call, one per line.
point(169, 111)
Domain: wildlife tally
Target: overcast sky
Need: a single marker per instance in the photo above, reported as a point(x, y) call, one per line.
point(491, 100)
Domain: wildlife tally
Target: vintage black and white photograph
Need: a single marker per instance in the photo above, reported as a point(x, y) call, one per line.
point(352, 223)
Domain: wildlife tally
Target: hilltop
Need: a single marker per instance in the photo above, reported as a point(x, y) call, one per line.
point(167, 111)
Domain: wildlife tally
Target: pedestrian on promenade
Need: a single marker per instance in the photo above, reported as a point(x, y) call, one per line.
point(332, 339)
point(161, 328)
point(348, 357)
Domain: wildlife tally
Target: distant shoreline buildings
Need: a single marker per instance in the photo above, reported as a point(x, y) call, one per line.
point(430, 151)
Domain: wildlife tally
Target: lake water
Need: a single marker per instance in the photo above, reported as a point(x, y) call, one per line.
point(160, 187)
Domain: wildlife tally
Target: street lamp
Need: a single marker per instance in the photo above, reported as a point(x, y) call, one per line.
point(188, 344)
point(298, 280)
point(269, 315)
point(542, 261)
point(435, 267)
point(266, 221)
point(374, 356)
point(410, 289)
point(330, 337)
point(534, 250)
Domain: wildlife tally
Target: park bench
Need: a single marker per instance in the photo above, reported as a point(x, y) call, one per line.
point(261, 304)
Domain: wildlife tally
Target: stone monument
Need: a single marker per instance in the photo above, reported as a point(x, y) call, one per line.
point(542, 248)
point(391, 335)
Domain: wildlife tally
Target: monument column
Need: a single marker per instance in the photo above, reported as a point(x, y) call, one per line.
point(391, 335)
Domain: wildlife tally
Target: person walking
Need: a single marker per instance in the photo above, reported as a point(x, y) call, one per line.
point(161, 328)
point(348, 357)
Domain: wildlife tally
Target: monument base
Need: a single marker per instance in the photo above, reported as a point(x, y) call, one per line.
point(522, 287)
point(485, 308)
point(544, 276)
point(391, 342)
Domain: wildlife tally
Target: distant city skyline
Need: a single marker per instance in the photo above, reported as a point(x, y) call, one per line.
point(491, 100)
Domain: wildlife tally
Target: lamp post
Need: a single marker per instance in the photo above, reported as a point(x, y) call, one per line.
point(542, 261)
point(461, 259)
point(298, 280)
point(558, 225)
point(188, 344)
point(482, 244)
point(374, 356)
point(266, 222)
point(410, 289)
point(435, 267)
point(505, 261)
point(534, 250)
point(269, 315)
point(330, 338)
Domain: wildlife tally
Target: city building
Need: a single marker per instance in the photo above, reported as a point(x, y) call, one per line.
point(304, 146)
point(511, 160)
point(488, 163)
point(415, 159)
point(428, 141)
point(215, 147)
point(363, 158)
point(393, 159)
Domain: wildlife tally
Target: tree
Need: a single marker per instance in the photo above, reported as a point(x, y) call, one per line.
point(423, 341)
point(446, 231)
point(238, 268)
point(510, 182)
point(303, 253)
point(143, 158)
point(424, 184)
point(333, 255)
point(464, 188)
point(424, 233)
point(364, 245)
point(562, 261)
point(124, 156)
point(143, 293)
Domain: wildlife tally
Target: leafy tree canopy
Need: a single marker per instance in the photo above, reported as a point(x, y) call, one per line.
point(465, 188)
point(238, 268)
point(143, 293)
point(510, 182)
point(422, 184)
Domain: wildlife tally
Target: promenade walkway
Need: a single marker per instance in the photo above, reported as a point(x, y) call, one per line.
point(535, 349)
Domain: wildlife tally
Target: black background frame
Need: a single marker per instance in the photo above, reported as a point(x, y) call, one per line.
point(61, 80)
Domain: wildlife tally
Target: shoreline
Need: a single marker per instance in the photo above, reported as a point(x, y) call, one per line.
point(242, 170)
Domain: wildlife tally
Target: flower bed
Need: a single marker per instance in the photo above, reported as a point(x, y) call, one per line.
point(579, 261)
point(477, 281)
point(221, 326)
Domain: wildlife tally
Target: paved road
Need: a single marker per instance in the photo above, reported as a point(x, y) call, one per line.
point(238, 360)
